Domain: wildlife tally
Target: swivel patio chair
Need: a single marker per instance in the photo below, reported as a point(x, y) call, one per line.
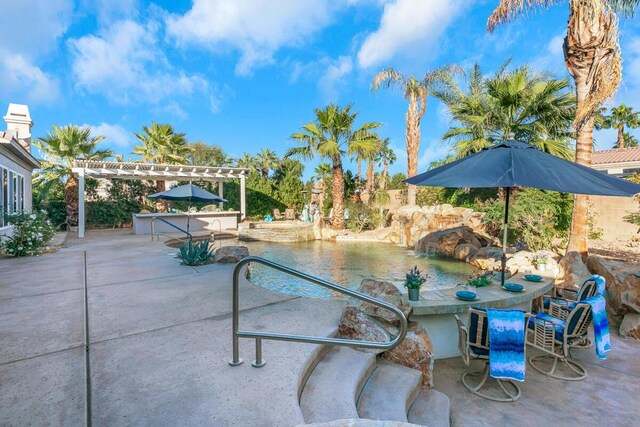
point(473, 343)
point(565, 299)
point(556, 337)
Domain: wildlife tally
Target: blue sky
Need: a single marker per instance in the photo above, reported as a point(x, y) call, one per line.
point(247, 74)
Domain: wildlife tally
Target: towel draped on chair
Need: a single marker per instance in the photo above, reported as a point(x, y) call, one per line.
point(600, 325)
point(506, 344)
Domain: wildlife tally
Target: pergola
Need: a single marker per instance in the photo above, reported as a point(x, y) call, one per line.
point(155, 172)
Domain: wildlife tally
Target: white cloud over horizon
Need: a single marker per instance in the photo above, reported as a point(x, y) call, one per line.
point(31, 30)
point(406, 25)
point(125, 63)
point(256, 29)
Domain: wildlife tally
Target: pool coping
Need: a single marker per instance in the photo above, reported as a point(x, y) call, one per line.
point(443, 301)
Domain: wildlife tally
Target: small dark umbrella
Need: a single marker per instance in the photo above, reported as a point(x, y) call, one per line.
point(517, 164)
point(187, 193)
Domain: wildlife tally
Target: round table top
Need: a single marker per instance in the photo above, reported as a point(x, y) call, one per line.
point(443, 301)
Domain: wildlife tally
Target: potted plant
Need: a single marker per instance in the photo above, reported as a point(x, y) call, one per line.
point(541, 260)
point(480, 281)
point(413, 281)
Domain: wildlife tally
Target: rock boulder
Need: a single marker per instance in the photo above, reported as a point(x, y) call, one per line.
point(486, 257)
point(623, 285)
point(573, 272)
point(444, 242)
point(630, 326)
point(386, 292)
point(230, 254)
point(357, 325)
point(415, 351)
point(464, 251)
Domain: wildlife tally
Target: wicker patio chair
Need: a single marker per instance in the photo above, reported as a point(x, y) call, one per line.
point(473, 343)
point(556, 337)
point(277, 215)
point(566, 299)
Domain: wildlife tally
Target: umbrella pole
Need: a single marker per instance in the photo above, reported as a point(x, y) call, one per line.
point(504, 235)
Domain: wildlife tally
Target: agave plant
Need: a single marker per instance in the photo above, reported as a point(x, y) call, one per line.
point(195, 253)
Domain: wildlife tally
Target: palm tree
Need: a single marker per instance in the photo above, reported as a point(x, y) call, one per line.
point(266, 161)
point(528, 106)
point(388, 157)
point(373, 159)
point(323, 175)
point(160, 144)
point(592, 56)
point(620, 117)
point(331, 136)
point(247, 161)
point(629, 141)
point(60, 148)
point(416, 91)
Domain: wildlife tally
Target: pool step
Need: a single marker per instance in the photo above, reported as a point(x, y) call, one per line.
point(350, 384)
point(389, 392)
point(431, 408)
point(334, 385)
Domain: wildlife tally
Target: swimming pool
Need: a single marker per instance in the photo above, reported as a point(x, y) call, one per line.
point(346, 264)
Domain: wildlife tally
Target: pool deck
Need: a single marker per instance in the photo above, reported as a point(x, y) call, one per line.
point(160, 341)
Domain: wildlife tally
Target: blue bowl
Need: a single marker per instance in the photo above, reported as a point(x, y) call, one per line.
point(513, 287)
point(533, 278)
point(467, 295)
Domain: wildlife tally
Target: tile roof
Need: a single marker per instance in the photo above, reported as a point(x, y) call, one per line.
point(617, 155)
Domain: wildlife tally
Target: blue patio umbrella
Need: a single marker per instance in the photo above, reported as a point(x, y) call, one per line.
point(187, 193)
point(517, 164)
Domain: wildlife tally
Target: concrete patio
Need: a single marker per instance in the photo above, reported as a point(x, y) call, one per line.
point(160, 338)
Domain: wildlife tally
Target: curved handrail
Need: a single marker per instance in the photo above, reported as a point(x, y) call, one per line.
point(189, 236)
point(304, 338)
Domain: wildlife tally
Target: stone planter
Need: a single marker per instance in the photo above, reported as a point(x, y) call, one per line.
point(414, 294)
point(541, 267)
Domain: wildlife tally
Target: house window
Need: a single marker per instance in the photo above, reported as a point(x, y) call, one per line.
point(11, 193)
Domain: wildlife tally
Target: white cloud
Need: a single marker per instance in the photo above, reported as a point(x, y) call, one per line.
point(30, 29)
point(552, 57)
point(125, 64)
point(115, 135)
point(256, 29)
point(22, 81)
point(334, 76)
point(33, 27)
point(110, 10)
point(408, 27)
point(435, 150)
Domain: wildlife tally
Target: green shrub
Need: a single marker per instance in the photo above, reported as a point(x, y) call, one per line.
point(195, 253)
point(536, 217)
point(31, 232)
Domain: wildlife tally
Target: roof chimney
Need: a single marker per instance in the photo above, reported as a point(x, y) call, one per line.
point(19, 123)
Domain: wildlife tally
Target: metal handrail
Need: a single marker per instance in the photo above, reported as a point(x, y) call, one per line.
point(259, 336)
point(189, 236)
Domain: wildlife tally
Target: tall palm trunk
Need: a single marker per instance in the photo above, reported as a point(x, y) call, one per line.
point(337, 222)
point(161, 205)
point(385, 174)
point(621, 135)
point(592, 58)
point(370, 177)
point(359, 163)
point(71, 200)
point(413, 117)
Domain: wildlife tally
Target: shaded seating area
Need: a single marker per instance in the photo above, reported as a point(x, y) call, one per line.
point(565, 299)
point(473, 342)
point(555, 337)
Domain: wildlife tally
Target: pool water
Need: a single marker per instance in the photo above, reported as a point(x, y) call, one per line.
point(346, 264)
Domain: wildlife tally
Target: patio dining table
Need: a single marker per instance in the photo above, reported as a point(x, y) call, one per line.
point(436, 309)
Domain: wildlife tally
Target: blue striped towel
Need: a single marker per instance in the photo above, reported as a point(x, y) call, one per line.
point(506, 344)
point(600, 325)
point(601, 284)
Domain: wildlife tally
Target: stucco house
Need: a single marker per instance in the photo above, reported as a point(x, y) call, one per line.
point(621, 162)
point(16, 164)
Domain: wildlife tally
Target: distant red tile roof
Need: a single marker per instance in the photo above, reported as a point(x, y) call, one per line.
point(616, 155)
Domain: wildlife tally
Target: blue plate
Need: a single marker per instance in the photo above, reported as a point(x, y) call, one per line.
point(466, 295)
point(513, 287)
point(533, 278)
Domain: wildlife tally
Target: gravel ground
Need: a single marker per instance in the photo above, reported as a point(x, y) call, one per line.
point(628, 251)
